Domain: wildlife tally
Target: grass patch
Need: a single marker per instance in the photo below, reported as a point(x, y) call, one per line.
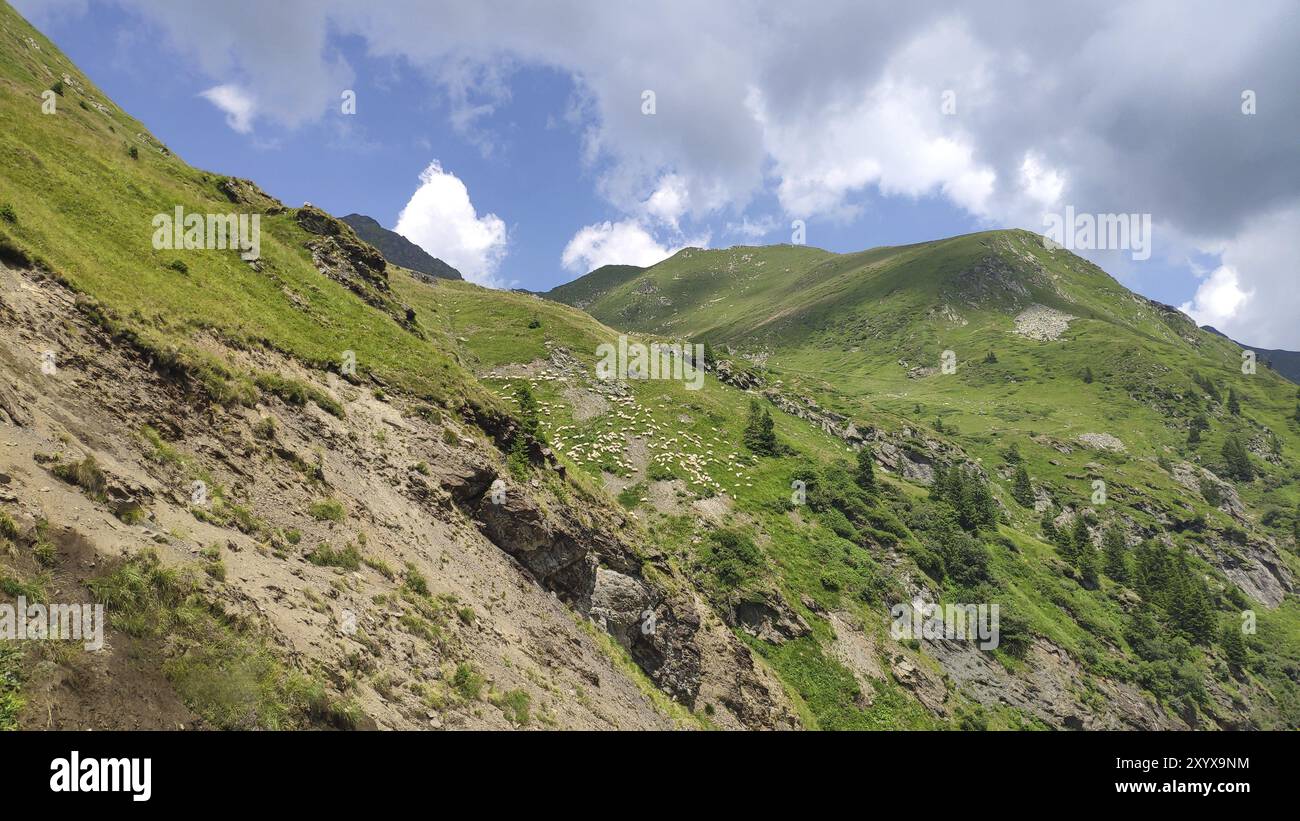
point(221, 667)
point(327, 510)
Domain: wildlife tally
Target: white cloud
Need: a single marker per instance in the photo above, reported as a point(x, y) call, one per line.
point(237, 104)
point(670, 200)
point(617, 243)
point(441, 219)
point(1043, 186)
point(1252, 296)
point(753, 229)
point(1218, 300)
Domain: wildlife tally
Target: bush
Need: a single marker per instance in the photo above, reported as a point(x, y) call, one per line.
point(731, 556)
point(467, 681)
point(7, 214)
point(326, 556)
point(85, 474)
point(327, 510)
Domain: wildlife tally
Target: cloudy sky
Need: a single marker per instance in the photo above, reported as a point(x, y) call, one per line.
point(515, 140)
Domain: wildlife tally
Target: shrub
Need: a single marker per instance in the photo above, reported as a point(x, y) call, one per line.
point(326, 556)
point(7, 214)
point(731, 556)
point(327, 510)
point(467, 681)
point(85, 474)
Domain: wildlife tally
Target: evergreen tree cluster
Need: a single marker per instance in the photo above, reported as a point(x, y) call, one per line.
point(968, 494)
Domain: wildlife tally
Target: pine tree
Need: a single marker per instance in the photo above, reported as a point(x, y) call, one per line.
point(529, 420)
point(866, 474)
point(1198, 424)
point(1189, 602)
point(1237, 459)
point(1077, 539)
point(1049, 526)
point(1087, 375)
point(760, 430)
point(1234, 406)
point(1022, 490)
point(1234, 648)
point(1089, 565)
point(1116, 549)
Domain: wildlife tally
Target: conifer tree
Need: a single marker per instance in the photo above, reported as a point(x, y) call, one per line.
point(866, 474)
point(1234, 647)
point(1237, 459)
point(1116, 549)
point(1022, 490)
point(760, 430)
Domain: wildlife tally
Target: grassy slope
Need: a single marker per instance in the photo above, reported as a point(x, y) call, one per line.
point(594, 284)
point(84, 206)
point(846, 322)
point(834, 327)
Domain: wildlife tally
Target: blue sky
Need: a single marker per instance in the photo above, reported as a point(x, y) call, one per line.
point(511, 141)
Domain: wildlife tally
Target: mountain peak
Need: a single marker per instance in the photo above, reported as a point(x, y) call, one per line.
point(399, 250)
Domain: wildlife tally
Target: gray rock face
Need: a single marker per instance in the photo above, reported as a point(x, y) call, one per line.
point(619, 602)
point(555, 556)
point(770, 620)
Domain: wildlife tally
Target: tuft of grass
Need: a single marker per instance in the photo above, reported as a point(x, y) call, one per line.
point(467, 681)
point(86, 475)
point(327, 510)
point(514, 704)
point(414, 580)
point(8, 528)
point(11, 685)
point(264, 428)
point(326, 556)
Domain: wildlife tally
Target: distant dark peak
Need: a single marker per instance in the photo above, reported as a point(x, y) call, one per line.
point(399, 250)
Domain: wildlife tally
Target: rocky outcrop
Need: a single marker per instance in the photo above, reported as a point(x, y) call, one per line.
point(1042, 323)
point(769, 619)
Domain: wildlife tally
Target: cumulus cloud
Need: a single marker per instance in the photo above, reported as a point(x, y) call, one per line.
point(617, 243)
point(237, 104)
point(1103, 108)
point(1219, 299)
point(1259, 309)
point(441, 219)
